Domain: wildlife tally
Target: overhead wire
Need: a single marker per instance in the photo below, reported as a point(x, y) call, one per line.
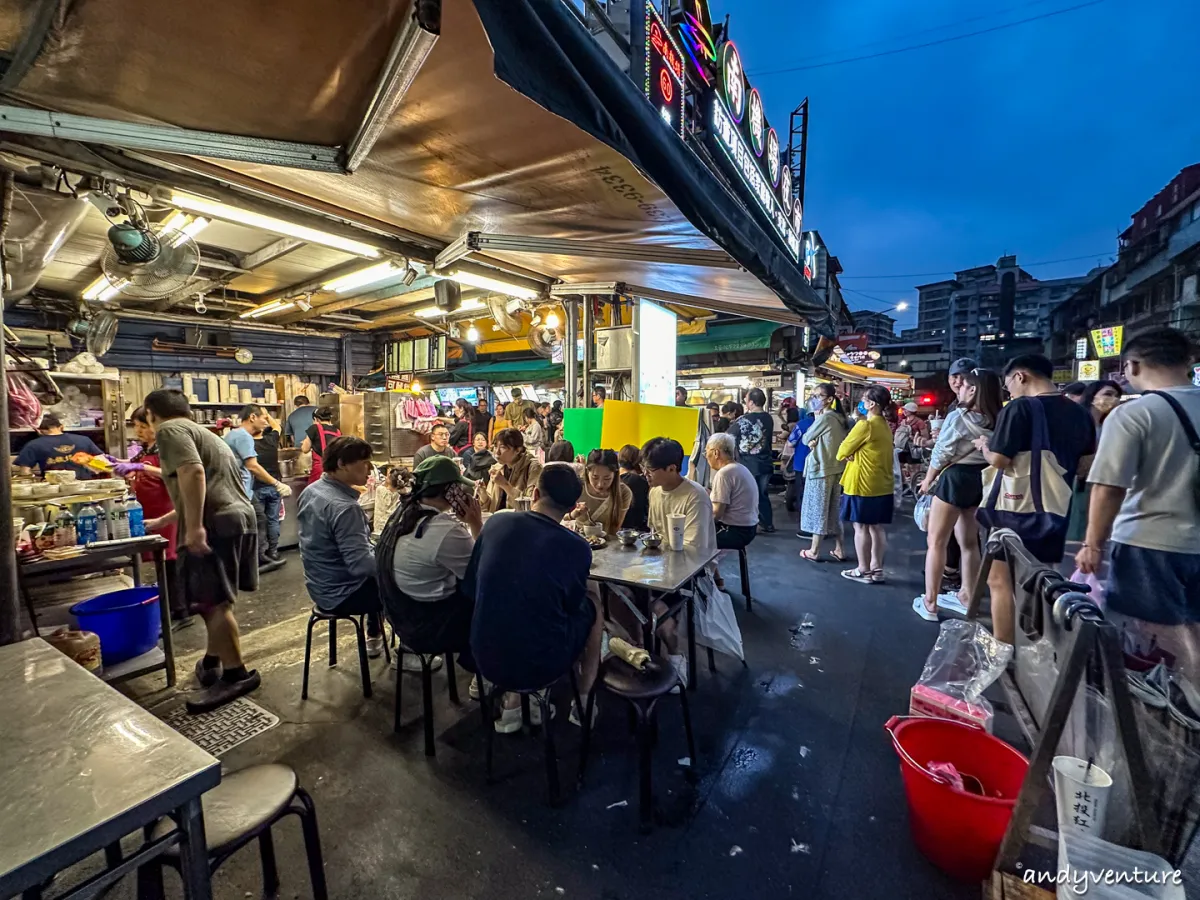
point(945, 40)
point(1046, 262)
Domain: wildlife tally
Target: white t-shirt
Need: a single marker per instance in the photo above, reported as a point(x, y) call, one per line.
point(689, 500)
point(733, 485)
point(427, 568)
point(1143, 448)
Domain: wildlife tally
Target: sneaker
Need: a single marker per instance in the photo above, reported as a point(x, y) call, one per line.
point(207, 677)
point(766, 529)
point(375, 647)
point(576, 717)
point(949, 600)
point(265, 564)
point(680, 665)
point(180, 622)
point(918, 606)
point(510, 719)
point(223, 692)
point(273, 554)
point(473, 690)
point(412, 663)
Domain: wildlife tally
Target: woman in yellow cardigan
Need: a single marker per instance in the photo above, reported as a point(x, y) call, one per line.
point(867, 486)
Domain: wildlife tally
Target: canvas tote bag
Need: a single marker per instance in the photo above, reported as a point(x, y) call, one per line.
point(1031, 496)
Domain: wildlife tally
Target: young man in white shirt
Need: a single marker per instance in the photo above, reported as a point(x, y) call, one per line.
point(672, 494)
point(1146, 496)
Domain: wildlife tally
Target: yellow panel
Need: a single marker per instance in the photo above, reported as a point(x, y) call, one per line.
point(636, 423)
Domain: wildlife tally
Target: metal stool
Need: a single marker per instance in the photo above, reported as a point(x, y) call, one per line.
point(542, 696)
point(426, 688)
point(245, 806)
point(642, 689)
point(359, 623)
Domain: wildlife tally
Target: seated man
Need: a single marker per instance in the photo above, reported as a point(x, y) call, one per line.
point(533, 617)
point(423, 555)
point(734, 496)
point(335, 538)
point(672, 494)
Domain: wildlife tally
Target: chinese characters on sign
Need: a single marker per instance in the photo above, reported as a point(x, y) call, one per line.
point(1087, 370)
point(664, 71)
point(1107, 341)
point(1081, 348)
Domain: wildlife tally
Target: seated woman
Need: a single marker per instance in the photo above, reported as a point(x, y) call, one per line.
point(605, 499)
point(631, 476)
point(423, 555)
point(514, 475)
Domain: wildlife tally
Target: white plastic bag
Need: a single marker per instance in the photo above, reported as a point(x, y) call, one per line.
point(716, 625)
point(1096, 595)
point(921, 511)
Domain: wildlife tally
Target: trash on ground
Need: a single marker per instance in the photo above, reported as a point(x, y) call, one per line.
point(735, 850)
point(800, 848)
point(618, 803)
point(814, 660)
point(804, 751)
point(685, 760)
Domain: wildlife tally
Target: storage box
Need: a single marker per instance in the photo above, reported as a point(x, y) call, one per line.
point(927, 701)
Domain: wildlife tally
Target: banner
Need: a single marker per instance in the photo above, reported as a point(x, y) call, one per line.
point(636, 423)
point(582, 428)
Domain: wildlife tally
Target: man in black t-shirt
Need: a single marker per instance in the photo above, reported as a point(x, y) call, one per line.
point(1072, 438)
point(266, 497)
point(754, 433)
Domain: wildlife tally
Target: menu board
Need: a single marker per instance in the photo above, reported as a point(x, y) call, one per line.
point(1107, 341)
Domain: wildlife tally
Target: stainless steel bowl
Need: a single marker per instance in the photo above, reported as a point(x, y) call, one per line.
point(627, 536)
point(652, 540)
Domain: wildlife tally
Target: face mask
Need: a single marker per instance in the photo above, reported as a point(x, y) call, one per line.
point(862, 408)
point(815, 404)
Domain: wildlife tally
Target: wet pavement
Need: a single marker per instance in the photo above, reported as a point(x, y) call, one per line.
point(796, 790)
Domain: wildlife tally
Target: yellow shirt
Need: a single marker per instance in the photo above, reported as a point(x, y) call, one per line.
point(869, 473)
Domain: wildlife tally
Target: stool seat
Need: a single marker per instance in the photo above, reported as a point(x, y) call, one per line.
point(242, 803)
point(622, 679)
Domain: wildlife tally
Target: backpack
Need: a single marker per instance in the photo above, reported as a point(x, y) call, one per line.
point(1189, 431)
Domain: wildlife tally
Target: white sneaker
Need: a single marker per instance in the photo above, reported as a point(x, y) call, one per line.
point(473, 690)
point(375, 647)
point(680, 665)
point(412, 663)
point(510, 719)
point(918, 607)
point(576, 717)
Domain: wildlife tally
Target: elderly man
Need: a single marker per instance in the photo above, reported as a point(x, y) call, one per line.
point(734, 494)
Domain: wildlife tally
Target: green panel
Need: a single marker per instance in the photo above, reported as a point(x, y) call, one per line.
point(582, 427)
point(511, 371)
point(728, 339)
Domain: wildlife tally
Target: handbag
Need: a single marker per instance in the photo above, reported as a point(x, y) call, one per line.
point(1032, 496)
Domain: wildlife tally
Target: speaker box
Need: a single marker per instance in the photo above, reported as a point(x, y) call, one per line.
point(447, 295)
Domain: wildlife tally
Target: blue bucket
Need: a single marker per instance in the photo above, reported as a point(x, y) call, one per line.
point(127, 622)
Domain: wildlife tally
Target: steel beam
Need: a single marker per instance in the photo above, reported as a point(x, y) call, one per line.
point(270, 253)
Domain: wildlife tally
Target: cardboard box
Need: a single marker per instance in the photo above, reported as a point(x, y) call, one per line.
point(927, 701)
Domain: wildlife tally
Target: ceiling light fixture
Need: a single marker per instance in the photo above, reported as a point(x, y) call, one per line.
point(190, 230)
point(266, 309)
point(361, 278)
point(473, 334)
point(410, 275)
point(488, 283)
point(102, 290)
point(268, 223)
point(552, 320)
point(174, 222)
point(430, 312)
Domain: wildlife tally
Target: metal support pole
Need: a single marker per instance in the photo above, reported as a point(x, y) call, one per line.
point(571, 339)
point(10, 607)
point(589, 344)
point(637, 44)
point(635, 374)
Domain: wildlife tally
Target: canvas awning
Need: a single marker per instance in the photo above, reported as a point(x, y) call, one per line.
point(868, 376)
point(517, 123)
point(518, 371)
point(728, 339)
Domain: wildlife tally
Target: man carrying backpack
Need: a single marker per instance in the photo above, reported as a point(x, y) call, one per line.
point(1146, 497)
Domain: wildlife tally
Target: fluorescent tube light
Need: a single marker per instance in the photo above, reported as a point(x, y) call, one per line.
point(102, 289)
point(429, 312)
point(268, 223)
point(487, 283)
point(264, 309)
point(362, 277)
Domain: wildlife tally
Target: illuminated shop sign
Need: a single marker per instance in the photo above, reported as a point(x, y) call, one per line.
point(694, 30)
point(1087, 369)
point(1107, 341)
point(1081, 348)
point(664, 71)
point(741, 158)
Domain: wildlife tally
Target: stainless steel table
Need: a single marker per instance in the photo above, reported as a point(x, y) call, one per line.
point(659, 572)
point(83, 766)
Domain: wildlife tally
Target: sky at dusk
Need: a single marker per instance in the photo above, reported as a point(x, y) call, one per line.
point(1039, 140)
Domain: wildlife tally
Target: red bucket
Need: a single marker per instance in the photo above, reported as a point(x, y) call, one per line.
point(959, 832)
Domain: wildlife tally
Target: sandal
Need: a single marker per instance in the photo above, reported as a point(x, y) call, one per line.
point(857, 575)
point(876, 576)
point(810, 556)
point(838, 557)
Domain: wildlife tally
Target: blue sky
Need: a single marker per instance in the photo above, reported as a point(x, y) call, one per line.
point(1039, 140)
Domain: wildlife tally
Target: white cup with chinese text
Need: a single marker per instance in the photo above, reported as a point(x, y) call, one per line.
point(1081, 795)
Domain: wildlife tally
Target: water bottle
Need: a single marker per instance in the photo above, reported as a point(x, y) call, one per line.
point(64, 529)
point(120, 522)
point(87, 525)
point(137, 520)
point(103, 531)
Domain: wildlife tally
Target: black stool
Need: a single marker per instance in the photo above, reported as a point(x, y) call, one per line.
point(642, 689)
point(426, 688)
point(542, 696)
point(744, 568)
point(245, 806)
point(359, 623)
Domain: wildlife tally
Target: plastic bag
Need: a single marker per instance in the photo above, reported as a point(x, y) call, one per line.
point(1089, 867)
point(716, 625)
point(964, 662)
point(921, 511)
point(1096, 595)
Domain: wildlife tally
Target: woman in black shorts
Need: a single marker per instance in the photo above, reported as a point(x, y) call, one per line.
point(955, 479)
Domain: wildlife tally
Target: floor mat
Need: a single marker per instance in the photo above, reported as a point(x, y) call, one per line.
point(222, 729)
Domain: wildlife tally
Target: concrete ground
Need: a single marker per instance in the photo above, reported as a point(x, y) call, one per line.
point(798, 790)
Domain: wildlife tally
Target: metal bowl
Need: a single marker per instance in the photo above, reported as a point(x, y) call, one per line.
point(627, 536)
point(652, 539)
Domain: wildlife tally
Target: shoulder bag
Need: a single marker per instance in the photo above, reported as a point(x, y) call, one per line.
point(1032, 497)
point(1190, 431)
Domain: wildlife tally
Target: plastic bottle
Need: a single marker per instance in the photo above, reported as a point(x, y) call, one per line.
point(64, 529)
point(87, 525)
point(103, 531)
point(120, 522)
point(137, 518)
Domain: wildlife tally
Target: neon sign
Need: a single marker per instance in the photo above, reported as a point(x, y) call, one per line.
point(733, 81)
point(757, 123)
point(1108, 341)
point(785, 183)
point(695, 33)
point(742, 158)
point(664, 71)
point(773, 165)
